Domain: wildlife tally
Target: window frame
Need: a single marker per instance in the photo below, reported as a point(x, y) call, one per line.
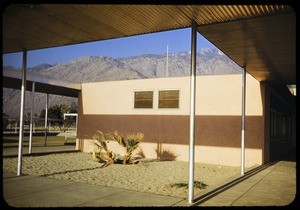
point(158, 99)
point(134, 99)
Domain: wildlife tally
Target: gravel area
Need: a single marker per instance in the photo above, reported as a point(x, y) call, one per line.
point(147, 175)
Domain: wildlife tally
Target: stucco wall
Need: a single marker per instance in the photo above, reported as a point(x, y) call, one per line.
point(216, 95)
point(109, 106)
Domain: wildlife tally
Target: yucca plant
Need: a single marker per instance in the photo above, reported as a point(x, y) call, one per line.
point(118, 138)
point(130, 143)
point(99, 140)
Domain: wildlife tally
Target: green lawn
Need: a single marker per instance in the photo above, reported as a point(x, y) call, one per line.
point(13, 140)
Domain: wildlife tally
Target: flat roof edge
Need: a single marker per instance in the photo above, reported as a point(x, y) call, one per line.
point(17, 74)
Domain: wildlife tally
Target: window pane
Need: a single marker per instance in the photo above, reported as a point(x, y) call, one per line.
point(168, 99)
point(143, 99)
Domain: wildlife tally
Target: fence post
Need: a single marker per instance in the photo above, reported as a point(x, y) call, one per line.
point(16, 125)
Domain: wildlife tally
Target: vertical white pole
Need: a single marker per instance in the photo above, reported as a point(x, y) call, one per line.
point(64, 128)
point(21, 133)
point(243, 122)
point(192, 112)
point(76, 123)
point(34, 126)
point(16, 126)
point(167, 63)
point(31, 117)
point(46, 118)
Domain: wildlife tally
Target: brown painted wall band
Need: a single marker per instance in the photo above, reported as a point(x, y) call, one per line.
point(224, 131)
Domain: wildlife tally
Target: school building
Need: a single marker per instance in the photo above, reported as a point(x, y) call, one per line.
point(159, 108)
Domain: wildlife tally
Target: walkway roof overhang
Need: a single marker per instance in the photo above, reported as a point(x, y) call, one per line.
point(266, 45)
point(260, 37)
point(13, 79)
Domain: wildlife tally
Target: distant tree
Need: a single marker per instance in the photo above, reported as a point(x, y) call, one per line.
point(64, 108)
point(73, 108)
point(57, 111)
point(28, 114)
point(5, 121)
point(54, 112)
point(42, 114)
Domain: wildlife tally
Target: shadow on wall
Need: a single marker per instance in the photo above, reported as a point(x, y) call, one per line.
point(80, 144)
point(140, 153)
point(165, 154)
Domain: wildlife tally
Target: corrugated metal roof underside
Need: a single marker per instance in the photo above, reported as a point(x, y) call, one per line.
point(266, 46)
point(37, 26)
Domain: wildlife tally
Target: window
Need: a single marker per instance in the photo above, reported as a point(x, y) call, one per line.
point(143, 99)
point(168, 99)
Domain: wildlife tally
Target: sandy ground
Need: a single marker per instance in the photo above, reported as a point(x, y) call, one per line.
point(152, 176)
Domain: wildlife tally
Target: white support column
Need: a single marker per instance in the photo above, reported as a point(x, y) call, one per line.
point(16, 126)
point(192, 112)
point(64, 128)
point(21, 131)
point(31, 117)
point(34, 126)
point(243, 122)
point(76, 124)
point(46, 118)
point(167, 62)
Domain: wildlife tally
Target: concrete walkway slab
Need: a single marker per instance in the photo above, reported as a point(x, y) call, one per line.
point(273, 184)
point(31, 191)
point(134, 199)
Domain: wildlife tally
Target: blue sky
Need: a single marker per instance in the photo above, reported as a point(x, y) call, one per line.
point(155, 43)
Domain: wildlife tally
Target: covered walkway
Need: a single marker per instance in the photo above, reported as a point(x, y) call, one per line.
point(245, 37)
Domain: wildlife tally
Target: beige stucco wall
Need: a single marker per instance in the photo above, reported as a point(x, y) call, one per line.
point(222, 95)
point(215, 95)
point(229, 156)
point(117, 97)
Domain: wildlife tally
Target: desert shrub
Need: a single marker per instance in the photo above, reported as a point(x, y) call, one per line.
point(130, 144)
point(197, 184)
point(165, 155)
point(100, 142)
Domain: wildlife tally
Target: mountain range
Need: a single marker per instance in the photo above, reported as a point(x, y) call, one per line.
point(209, 61)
